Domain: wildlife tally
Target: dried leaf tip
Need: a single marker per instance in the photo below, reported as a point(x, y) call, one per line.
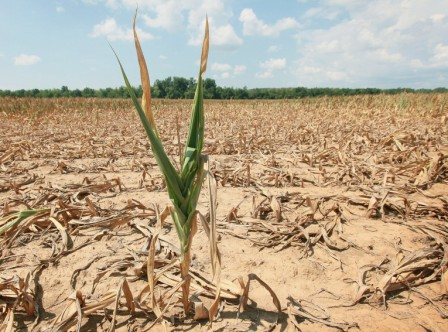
point(144, 76)
point(205, 45)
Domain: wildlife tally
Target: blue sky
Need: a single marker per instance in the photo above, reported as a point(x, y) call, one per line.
point(254, 43)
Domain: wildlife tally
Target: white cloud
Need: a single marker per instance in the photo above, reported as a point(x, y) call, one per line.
point(222, 33)
point(330, 75)
point(328, 46)
point(313, 12)
point(438, 18)
point(112, 4)
point(216, 10)
point(26, 60)
point(321, 12)
point(274, 64)
point(60, 9)
point(254, 26)
point(381, 43)
point(271, 65)
point(221, 67)
point(168, 15)
point(223, 37)
point(178, 16)
point(239, 69)
point(339, 42)
point(112, 31)
point(441, 52)
point(163, 57)
point(225, 75)
point(310, 70)
point(225, 70)
point(337, 75)
point(385, 56)
point(173, 14)
point(265, 74)
point(416, 63)
point(440, 56)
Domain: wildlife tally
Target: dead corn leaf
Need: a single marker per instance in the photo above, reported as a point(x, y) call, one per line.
point(299, 310)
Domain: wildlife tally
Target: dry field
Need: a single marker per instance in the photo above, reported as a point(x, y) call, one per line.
point(332, 215)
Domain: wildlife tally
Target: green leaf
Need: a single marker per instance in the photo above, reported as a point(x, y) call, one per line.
point(196, 131)
point(176, 214)
point(172, 179)
point(20, 216)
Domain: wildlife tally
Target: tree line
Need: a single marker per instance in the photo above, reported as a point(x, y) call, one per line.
point(182, 88)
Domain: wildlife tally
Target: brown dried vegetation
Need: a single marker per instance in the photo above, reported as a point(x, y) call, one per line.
point(333, 211)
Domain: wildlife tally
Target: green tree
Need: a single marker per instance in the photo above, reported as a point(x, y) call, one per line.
point(64, 91)
point(210, 89)
point(88, 93)
point(76, 93)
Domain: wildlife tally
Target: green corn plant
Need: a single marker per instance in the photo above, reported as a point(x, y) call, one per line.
point(12, 220)
point(185, 185)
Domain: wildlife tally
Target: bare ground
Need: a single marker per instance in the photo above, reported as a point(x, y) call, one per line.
point(339, 205)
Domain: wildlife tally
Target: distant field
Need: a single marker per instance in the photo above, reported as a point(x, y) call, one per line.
point(339, 204)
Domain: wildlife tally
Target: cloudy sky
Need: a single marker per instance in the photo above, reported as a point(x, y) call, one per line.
point(284, 43)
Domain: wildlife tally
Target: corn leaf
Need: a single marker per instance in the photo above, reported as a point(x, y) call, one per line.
point(184, 187)
point(172, 179)
point(144, 76)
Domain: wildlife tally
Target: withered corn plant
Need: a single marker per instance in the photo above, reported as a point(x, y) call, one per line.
point(185, 185)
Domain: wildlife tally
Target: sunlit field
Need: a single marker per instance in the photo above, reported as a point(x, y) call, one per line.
point(332, 214)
